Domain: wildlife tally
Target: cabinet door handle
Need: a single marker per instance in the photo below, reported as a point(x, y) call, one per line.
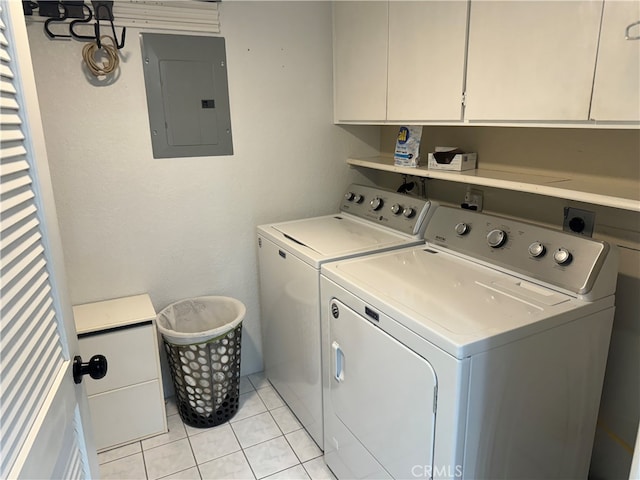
point(96, 367)
point(627, 35)
point(339, 357)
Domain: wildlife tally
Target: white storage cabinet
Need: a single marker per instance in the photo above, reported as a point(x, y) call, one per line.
point(531, 60)
point(128, 403)
point(360, 31)
point(616, 89)
point(426, 67)
point(399, 61)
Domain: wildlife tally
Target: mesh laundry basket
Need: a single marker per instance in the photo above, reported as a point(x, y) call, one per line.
point(202, 339)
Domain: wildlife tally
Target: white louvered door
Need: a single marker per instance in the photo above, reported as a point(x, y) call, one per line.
point(42, 432)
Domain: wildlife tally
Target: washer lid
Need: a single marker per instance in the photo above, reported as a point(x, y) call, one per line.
point(456, 304)
point(338, 235)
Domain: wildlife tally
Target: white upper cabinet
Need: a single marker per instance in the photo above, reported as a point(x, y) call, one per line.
point(531, 60)
point(399, 61)
point(360, 31)
point(616, 90)
point(427, 48)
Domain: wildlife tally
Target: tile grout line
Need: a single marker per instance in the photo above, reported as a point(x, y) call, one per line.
point(144, 462)
point(307, 471)
point(296, 454)
point(268, 410)
point(246, 459)
point(235, 436)
point(282, 434)
point(124, 456)
point(180, 471)
point(279, 471)
point(259, 443)
point(191, 448)
point(284, 404)
point(251, 416)
point(292, 449)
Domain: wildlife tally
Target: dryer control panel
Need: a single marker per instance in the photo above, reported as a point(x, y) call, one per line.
point(401, 212)
point(571, 262)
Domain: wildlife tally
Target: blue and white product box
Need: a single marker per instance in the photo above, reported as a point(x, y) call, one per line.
point(407, 152)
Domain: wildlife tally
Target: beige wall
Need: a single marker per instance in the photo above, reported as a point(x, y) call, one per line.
point(607, 154)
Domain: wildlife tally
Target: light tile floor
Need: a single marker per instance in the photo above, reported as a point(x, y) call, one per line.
point(263, 440)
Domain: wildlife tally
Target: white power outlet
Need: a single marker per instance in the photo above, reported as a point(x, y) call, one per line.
point(473, 199)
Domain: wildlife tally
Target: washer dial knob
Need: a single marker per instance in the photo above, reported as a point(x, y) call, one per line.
point(462, 228)
point(349, 196)
point(396, 209)
point(358, 198)
point(537, 250)
point(409, 212)
point(376, 203)
point(562, 256)
point(496, 238)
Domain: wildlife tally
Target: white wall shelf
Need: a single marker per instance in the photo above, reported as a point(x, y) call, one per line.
point(623, 194)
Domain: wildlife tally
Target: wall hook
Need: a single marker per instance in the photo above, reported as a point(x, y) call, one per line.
point(106, 6)
point(59, 19)
point(85, 20)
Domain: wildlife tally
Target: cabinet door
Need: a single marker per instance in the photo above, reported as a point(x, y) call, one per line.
point(616, 90)
point(127, 414)
point(360, 60)
point(531, 60)
point(131, 353)
point(427, 47)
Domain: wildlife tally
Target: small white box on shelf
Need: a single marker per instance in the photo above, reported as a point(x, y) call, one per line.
point(461, 161)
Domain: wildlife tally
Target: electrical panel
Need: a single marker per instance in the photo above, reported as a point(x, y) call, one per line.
point(187, 95)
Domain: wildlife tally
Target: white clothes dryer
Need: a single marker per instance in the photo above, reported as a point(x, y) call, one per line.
point(290, 255)
point(480, 354)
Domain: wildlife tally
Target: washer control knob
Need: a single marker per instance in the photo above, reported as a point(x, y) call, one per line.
point(349, 196)
point(497, 238)
point(409, 212)
point(462, 228)
point(536, 250)
point(396, 209)
point(376, 203)
point(562, 256)
point(358, 198)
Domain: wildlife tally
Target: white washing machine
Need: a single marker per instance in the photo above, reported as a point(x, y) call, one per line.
point(290, 255)
point(480, 354)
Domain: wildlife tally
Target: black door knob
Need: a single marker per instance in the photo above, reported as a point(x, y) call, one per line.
point(96, 367)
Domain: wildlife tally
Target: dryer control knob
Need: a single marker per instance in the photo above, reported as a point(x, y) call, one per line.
point(536, 250)
point(409, 212)
point(562, 256)
point(349, 196)
point(496, 238)
point(396, 209)
point(462, 228)
point(358, 198)
point(376, 203)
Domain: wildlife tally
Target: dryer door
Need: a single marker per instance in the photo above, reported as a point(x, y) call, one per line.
point(381, 412)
